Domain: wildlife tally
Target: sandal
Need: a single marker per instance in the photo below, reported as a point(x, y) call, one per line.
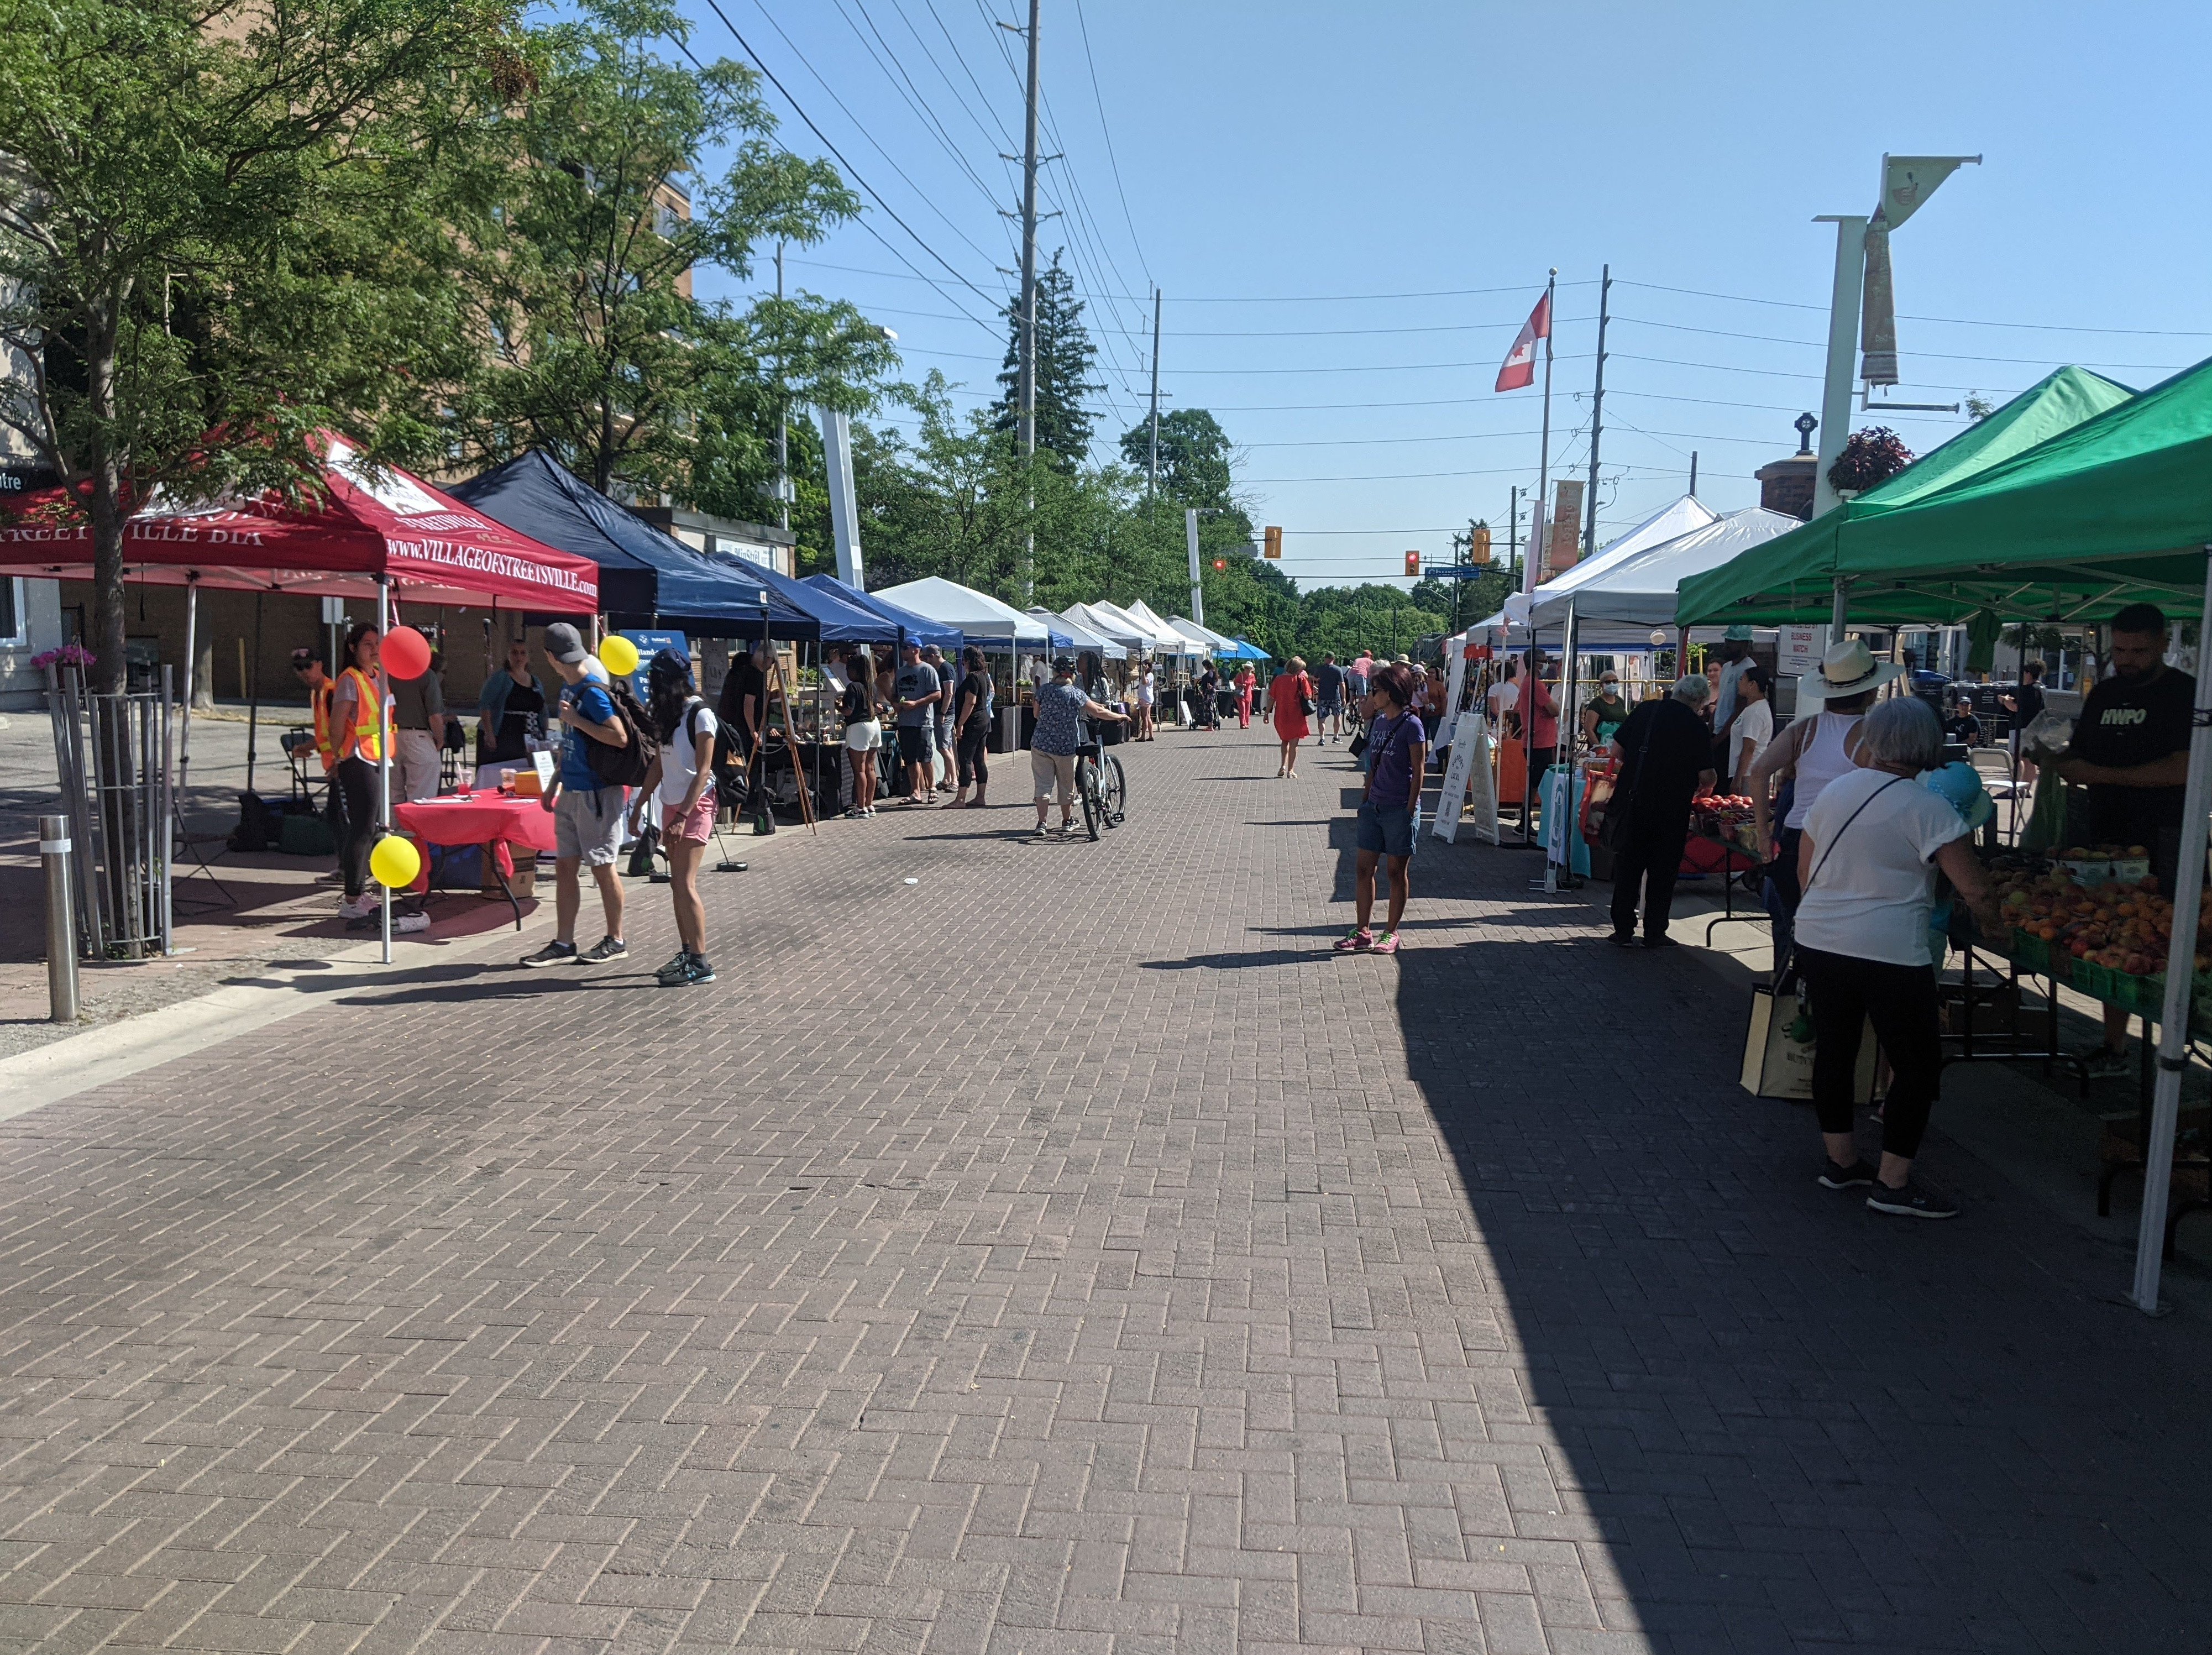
point(1387, 943)
point(1357, 941)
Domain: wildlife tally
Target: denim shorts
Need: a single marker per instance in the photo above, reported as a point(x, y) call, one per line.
point(1388, 830)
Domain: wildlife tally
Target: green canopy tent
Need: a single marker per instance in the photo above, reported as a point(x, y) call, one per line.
point(2114, 510)
point(1794, 577)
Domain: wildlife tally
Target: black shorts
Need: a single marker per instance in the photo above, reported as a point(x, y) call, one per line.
point(916, 746)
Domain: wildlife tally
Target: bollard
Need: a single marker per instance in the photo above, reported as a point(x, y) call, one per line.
point(61, 923)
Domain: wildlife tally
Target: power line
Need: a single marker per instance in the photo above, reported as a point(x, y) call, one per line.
point(1083, 28)
point(1954, 321)
point(851, 171)
point(1937, 355)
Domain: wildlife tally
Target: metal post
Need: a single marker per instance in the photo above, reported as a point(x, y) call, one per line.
point(1153, 479)
point(1838, 609)
point(1842, 350)
point(1197, 588)
point(1597, 409)
point(783, 415)
point(253, 698)
point(1693, 473)
point(192, 671)
point(1535, 563)
point(61, 923)
point(383, 756)
point(2174, 1015)
point(1029, 363)
point(164, 817)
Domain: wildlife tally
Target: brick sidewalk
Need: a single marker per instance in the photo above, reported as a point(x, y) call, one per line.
point(1062, 1253)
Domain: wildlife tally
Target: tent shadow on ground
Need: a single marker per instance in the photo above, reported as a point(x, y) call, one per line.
point(1783, 1422)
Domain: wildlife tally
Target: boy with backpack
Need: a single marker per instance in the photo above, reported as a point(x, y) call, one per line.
point(609, 749)
point(682, 781)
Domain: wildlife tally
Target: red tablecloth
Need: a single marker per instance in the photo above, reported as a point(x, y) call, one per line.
point(485, 818)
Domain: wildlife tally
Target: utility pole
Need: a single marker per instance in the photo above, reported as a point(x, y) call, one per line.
point(1513, 534)
point(1152, 484)
point(1029, 365)
point(782, 420)
point(1597, 408)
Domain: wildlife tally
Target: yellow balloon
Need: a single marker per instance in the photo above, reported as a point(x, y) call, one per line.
point(619, 654)
point(395, 861)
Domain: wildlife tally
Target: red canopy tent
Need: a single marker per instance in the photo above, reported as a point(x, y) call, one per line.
point(387, 535)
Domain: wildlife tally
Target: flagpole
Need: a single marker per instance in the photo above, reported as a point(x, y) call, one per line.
point(1535, 571)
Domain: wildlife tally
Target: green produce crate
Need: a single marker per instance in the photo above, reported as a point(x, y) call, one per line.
point(2034, 954)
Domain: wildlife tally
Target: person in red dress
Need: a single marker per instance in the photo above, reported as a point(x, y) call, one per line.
point(1290, 695)
point(1248, 682)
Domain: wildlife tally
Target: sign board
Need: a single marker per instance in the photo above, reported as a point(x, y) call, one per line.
point(1449, 717)
point(333, 611)
point(650, 644)
point(1469, 788)
point(1564, 536)
point(1800, 650)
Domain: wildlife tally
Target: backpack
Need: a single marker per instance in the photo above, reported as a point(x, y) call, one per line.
point(625, 766)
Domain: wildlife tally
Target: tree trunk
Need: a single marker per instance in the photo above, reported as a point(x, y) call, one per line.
point(104, 502)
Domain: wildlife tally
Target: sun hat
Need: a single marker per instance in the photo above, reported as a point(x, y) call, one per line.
point(1960, 786)
point(1848, 669)
point(1736, 635)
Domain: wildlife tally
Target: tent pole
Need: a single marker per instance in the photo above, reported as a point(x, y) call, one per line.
point(2181, 953)
point(1838, 609)
point(253, 698)
point(191, 686)
point(383, 756)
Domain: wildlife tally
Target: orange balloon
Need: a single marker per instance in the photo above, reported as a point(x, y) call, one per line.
point(406, 652)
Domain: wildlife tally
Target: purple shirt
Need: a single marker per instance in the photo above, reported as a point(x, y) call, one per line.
point(1390, 782)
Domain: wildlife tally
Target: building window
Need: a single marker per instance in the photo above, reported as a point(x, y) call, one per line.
point(14, 627)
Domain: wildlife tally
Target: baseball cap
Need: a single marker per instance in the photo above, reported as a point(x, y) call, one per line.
point(564, 643)
point(1063, 663)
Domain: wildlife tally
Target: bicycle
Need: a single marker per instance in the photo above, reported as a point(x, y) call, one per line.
point(1104, 787)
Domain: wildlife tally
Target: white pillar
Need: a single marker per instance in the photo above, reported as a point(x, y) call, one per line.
point(1843, 350)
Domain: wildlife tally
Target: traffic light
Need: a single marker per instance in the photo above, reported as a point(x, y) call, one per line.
point(1412, 565)
point(1478, 544)
point(1220, 563)
point(1274, 542)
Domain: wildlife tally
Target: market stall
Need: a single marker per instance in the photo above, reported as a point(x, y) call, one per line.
point(2114, 509)
point(901, 623)
point(996, 628)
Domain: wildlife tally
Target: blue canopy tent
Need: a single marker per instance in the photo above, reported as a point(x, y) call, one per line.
point(843, 620)
point(1247, 650)
point(922, 629)
point(646, 578)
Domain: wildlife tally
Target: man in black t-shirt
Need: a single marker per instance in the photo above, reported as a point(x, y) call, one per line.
point(2131, 750)
point(1665, 754)
point(2025, 703)
point(1328, 697)
point(742, 705)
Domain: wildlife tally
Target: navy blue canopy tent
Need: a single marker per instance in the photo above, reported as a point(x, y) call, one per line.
point(646, 577)
point(842, 614)
point(891, 617)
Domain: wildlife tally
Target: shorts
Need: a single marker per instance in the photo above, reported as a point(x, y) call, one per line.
point(697, 826)
point(864, 737)
point(1330, 709)
point(587, 825)
point(1046, 769)
point(1388, 830)
point(917, 744)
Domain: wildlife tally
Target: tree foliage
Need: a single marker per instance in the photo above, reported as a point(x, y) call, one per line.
point(1065, 354)
point(199, 209)
point(583, 227)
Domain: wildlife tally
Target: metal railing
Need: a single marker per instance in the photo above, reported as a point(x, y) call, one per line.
point(113, 755)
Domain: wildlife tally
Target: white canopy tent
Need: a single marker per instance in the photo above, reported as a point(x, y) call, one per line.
point(1209, 642)
point(981, 616)
point(1170, 642)
point(1082, 636)
point(1638, 591)
point(1679, 517)
point(1124, 622)
point(1115, 626)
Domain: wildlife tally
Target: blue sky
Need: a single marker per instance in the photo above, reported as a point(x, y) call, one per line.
point(1288, 172)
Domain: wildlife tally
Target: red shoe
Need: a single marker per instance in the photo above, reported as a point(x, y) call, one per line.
point(1357, 941)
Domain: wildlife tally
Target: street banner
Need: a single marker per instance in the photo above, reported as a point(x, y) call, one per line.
point(1532, 563)
point(1907, 181)
point(1519, 368)
point(1564, 533)
point(1878, 309)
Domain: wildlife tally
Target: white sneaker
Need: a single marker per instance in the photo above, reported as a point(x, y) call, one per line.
point(357, 908)
point(411, 922)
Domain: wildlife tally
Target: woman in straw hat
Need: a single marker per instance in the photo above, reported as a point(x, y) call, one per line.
point(1817, 748)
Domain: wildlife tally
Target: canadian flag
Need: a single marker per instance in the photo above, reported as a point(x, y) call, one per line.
point(1520, 365)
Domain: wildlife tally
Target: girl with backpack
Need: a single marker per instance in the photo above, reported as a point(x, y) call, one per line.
point(682, 781)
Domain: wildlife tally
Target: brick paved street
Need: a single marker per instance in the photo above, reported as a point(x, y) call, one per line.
point(1062, 1253)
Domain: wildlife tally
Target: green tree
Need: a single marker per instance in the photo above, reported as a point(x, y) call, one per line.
point(1065, 354)
point(204, 214)
point(581, 263)
point(1197, 463)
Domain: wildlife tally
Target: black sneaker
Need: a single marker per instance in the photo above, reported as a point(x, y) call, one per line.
point(697, 971)
point(553, 953)
point(1662, 942)
point(1857, 1175)
point(672, 974)
point(1622, 939)
point(604, 949)
point(1911, 1200)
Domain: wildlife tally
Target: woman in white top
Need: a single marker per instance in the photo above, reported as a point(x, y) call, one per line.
point(1144, 692)
point(1867, 868)
point(682, 781)
point(1816, 749)
point(1752, 726)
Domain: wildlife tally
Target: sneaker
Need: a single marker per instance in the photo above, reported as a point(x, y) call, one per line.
point(698, 970)
point(671, 974)
point(357, 908)
point(553, 953)
point(2101, 1062)
point(1622, 939)
point(1911, 1200)
point(604, 949)
point(1387, 943)
point(1662, 942)
point(1857, 1175)
point(405, 923)
point(1358, 940)
point(1069, 830)
point(1043, 831)
point(856, 814)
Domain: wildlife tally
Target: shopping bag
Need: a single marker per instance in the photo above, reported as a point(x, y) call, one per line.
point(1777, 1048)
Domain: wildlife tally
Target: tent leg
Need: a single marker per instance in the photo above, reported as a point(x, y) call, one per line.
point(2173, 1016)
point(192, 685)
point(1838, 609)
point(383, 756)
point(253, 696)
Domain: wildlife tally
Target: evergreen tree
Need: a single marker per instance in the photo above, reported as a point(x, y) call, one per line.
point(1064, 357)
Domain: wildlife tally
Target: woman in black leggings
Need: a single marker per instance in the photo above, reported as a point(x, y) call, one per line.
point(360, 734)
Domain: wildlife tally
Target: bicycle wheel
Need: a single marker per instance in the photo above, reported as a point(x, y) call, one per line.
point(1086, 783)
point(1114, 785)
